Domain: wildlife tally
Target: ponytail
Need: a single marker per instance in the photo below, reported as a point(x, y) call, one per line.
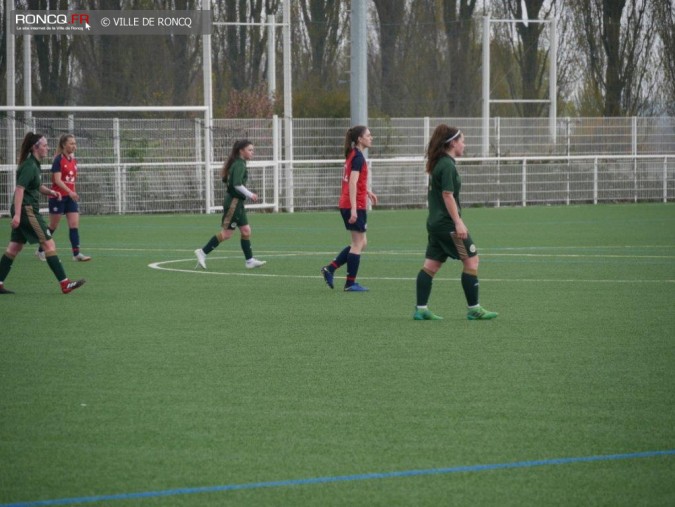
point(352, 137)
point(29, 140)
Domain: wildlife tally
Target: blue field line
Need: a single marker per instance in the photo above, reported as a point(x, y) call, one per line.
point(342, 478)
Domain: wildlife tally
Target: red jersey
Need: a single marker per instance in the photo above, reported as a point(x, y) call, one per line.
point(355, 162)
point(68, 169)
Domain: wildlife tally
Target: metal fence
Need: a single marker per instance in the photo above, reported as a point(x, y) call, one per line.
point(156, 165)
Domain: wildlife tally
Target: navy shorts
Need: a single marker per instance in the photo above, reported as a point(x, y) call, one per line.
point(65, 205)
point(361, 223)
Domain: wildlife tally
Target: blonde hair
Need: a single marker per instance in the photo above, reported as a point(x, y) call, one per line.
point(62, 143)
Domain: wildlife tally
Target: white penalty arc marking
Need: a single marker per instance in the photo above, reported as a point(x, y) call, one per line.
point(162, 266)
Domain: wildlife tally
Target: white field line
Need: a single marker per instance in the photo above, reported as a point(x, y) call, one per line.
point(163, 266)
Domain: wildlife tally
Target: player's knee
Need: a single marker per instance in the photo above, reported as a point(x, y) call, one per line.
point(471, 263)
point(49, 247)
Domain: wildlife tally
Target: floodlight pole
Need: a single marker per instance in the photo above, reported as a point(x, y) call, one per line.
point(359, 63)
point(288, 105)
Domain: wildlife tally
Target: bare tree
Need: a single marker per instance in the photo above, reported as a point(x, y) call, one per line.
point(665, 15)
point(53, 72)
point(324, 23)
point(422, 75)
point(391, 15)
point(528, 52)
point(242, 47)
point(463, 55)
point(184, 52)
point(115, 70)
point(619, 37)
point(239, 51)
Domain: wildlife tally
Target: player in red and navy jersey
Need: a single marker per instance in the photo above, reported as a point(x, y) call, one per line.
point(353, 203)
point(64, 176)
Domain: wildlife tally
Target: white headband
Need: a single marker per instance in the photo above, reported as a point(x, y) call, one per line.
point(453, 137)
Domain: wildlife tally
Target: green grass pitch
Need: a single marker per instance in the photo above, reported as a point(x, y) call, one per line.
point(155, 377)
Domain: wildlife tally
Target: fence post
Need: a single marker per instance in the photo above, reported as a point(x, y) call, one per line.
point(524, 182)
point(427, 136)
point(568, 135)
point(276, 143)
point(634, 152)
point(118, 160)
point(665, 179)
point(124, 189)
point(289, 165)
point(595, 181)
point(568, 175)
point(199, 159)
point(499, 186)
point(498, 135)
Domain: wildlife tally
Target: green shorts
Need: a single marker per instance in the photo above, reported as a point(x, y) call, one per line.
point(442, 245)
point(32, 227)
point(234, 213)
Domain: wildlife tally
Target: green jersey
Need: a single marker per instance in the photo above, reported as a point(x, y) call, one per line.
point(443, 178)
point(28, 176)
point(238, 175)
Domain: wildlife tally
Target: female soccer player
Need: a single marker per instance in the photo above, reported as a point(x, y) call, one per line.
point(352, 204)
point(27, 223)
point(448, 235)
point(235, 175)
point(64, 176)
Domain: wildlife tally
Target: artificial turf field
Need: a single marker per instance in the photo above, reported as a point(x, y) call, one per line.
point(167, 386)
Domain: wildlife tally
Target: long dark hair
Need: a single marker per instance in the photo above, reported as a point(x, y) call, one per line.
point(29, 140)
point(438, 144)
point(352, 137)
point(234, 155)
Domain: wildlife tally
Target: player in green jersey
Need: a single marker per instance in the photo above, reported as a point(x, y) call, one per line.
point(234, 175)
point(448, 235)
point(27, 223)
